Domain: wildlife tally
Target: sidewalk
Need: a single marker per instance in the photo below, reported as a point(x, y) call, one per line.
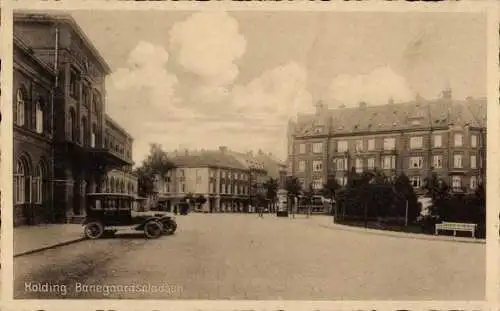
point(31, 239)
point(327, 222)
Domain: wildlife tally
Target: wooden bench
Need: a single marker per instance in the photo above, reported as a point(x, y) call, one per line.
point(456, 226)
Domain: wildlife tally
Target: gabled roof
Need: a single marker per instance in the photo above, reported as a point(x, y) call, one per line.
point(216, 159)
point(63, 18)
point(399, 116)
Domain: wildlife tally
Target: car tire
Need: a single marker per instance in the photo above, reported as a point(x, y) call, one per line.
point(93, 230)
point(153, 229)
point(169, 227)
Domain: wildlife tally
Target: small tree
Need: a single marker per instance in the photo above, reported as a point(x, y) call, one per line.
point(156, 164)
point(405, 194)
point(271, 186)
point(293, 188)
point(330, 188)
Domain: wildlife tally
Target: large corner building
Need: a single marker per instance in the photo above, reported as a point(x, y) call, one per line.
point(65, 145)
point(446, 136)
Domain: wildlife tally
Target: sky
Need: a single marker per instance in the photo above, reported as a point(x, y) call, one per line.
point(200, 80)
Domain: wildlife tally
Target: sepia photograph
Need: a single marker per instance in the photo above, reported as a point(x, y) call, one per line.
point(249, 154)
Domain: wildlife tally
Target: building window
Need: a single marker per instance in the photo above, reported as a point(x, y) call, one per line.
point(317, 166)
point(93, 137)
point(74, 84)
point(318, 147)
point(20, 182)
point(317, 184)
point(389, 162)
point(302, 148)
point(389, 143)
point(437, 161)
point(416, 181)
point(38, 184)
point(83, 132)
point(416, 162)
point(371, 163)
point(458, 139)
point(416, 142)
point(342, 180)
point(473, 141)
point(457, 161)
point(438, 141)
point(359, 145)
point(342, 146)
point(341, 164)
point(72, 125)
point(371, 144)
point(39, 117)
point(473, 161)
point(359, 165)
point(473, 182)
point(456, 181)
point(20, 108)
point(302, 166)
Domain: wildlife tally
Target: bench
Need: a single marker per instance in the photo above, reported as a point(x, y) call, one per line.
point(456, 226)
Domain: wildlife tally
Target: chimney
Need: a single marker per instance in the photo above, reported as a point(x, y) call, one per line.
point(446, 94)
point(261, 152)
point(362, 105)
point(186, 152)
point(319, 107)
point(391, 101)
point(223, 149)
point(341, 106)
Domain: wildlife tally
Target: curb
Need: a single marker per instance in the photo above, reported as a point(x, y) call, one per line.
point(402, 234)
point(49, 247)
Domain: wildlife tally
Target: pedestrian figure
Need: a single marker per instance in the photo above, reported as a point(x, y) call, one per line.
point(261, 212)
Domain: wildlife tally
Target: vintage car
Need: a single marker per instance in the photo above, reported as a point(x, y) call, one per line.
point(110, 212)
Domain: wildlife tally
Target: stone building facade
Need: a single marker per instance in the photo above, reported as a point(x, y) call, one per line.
point(67, 74)
point(445, 136)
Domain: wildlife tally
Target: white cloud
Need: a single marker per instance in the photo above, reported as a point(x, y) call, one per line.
point(374, 88)
point(144, 92)
point(208, 44)
point(276, 95)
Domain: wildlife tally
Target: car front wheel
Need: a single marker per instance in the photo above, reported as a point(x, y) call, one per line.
point(94, 230)
point(153, 229)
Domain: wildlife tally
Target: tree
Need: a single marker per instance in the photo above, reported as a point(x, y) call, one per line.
point(330, 188)
point(271, 186)
point(156, 164)
point(438, 190)
point(405, 194)
point(293, 188)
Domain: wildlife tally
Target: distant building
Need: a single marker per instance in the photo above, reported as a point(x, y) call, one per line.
point(229, 180)
point(446, 136)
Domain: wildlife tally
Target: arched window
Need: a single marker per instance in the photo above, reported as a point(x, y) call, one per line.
point(93, 136)
point(72, 124)
point(38, 180)
point(83, 133)
point(20, 108)
point(39, 116)
point(22, 182)
point(112, 185)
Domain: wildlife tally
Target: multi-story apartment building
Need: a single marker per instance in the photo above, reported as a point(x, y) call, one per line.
point(59, 120)
point(446, 136)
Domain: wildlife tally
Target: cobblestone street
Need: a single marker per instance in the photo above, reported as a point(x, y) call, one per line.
point(230, 256)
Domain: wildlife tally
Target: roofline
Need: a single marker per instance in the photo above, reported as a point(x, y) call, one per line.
point(207, 166)
point(18, 43)
point(65, 18)
point(112, 121)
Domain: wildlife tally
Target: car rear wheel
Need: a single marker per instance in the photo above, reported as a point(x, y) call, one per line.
point(153, 229)
point(169, 226)
point(94, 230)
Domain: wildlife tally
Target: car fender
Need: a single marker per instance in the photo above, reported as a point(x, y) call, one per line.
point(141, 226)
